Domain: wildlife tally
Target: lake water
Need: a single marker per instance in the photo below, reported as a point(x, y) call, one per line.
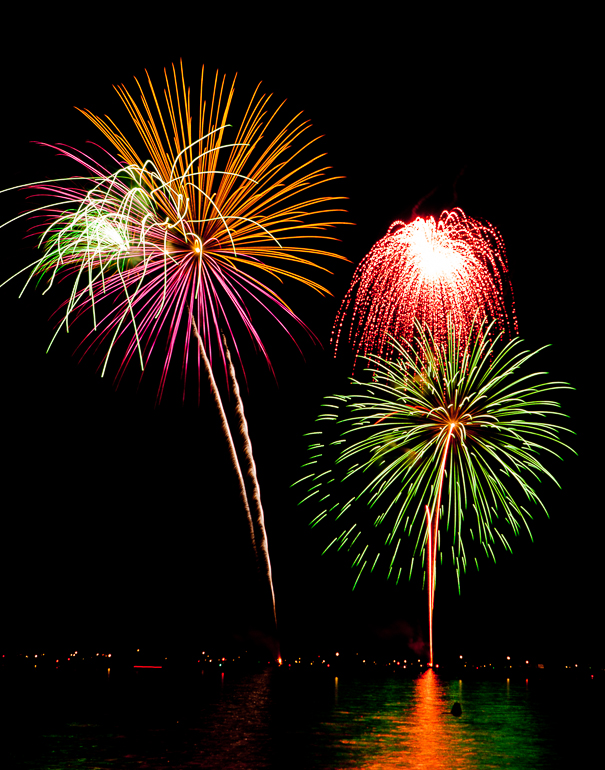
point(280, 718)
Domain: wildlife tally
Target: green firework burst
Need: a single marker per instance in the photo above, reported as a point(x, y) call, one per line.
point(460, 429)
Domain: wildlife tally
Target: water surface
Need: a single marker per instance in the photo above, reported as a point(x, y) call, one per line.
point(296, 719)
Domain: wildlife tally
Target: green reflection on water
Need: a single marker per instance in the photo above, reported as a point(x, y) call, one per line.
point(400, 724)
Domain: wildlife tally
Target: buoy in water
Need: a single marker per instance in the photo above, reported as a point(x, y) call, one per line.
point(456, 709)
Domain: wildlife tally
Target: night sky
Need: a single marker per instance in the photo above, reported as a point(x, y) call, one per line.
point(120, 521)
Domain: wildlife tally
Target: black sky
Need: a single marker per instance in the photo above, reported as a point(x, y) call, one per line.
point(119, 521)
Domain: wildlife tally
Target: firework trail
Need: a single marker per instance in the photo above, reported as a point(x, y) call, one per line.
point(428, 271)
point(454, 435)
point(252, 479)
point(173, 246)
point(226, 430)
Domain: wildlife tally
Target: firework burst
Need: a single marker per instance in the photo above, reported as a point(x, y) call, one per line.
point(455, 436)
point(183, 240)
point(428, 271)
point(197, 229)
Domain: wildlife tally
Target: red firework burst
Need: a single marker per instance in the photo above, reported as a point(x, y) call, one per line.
point(428, 270)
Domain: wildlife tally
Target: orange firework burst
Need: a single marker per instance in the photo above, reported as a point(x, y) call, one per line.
point(195, 226)
point(231, 219)
point(427, 270)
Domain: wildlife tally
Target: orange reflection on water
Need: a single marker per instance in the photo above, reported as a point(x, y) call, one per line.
point(425, 736)
point(439, 738)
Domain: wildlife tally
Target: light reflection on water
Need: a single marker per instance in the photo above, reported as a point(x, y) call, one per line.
point(413, 727)
point(277, 719)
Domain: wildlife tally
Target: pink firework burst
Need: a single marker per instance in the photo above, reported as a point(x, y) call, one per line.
point(427, 270)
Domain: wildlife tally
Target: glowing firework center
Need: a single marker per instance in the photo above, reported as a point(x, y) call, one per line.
point(434, 260)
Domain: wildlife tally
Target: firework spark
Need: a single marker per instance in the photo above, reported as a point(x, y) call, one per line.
point(427, 271)
point(463, 423)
